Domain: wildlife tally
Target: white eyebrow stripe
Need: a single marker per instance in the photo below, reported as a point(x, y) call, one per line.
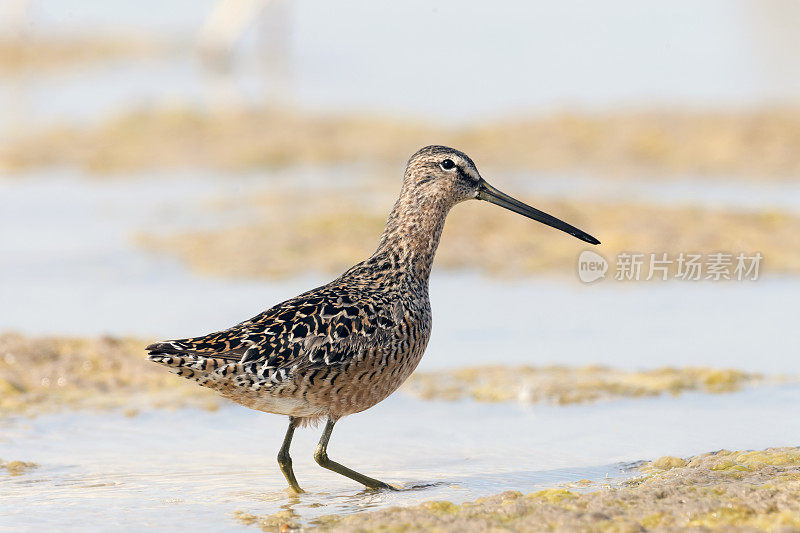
point(471, 173)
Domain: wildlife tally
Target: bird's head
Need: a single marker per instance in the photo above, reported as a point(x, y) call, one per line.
point(450, 175)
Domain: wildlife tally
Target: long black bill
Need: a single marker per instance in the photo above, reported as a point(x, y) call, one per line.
point(490, 194)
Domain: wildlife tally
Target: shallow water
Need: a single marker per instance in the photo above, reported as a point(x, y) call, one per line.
point(169, 469)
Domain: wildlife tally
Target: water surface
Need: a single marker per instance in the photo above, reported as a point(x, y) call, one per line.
point(169, 469)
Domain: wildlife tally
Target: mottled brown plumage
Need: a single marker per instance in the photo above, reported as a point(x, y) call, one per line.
point(345, 346)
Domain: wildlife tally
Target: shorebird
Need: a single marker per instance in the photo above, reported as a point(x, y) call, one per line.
point(343, 347)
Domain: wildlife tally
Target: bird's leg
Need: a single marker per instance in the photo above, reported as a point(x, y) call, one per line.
point(321, 457)
point(284, 461)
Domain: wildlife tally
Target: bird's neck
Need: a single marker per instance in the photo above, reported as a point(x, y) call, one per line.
point(413, 232)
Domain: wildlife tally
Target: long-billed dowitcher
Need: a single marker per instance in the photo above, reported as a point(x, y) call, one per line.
point(343, 347)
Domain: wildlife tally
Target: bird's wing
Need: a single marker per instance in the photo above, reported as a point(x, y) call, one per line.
point(325, 326)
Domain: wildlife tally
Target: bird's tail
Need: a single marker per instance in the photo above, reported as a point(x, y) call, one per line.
point(188, 365)
point(191, 359)
point(212, 372)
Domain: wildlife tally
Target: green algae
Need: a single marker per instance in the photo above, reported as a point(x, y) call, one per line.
point(441, 507)
point(667, 462)
point(553, 496)
point(284, 520)
point(17, 468)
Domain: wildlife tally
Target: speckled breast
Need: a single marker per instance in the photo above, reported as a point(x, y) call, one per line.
point(371, 376)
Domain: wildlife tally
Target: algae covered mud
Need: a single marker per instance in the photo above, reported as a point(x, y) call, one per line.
point(40, 375)
point(563, 385)
point(717, 490)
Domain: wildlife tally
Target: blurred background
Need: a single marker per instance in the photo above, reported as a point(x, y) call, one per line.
point(172, 168)
point(238, 151)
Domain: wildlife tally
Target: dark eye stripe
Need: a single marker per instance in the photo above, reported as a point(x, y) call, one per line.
point(464, 175)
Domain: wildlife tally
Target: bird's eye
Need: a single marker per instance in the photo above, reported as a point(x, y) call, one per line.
point(447, 164)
